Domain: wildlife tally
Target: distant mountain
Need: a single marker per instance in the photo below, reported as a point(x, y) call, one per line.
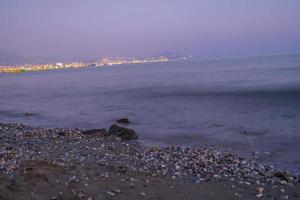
point(12, 58)
point(172, 55)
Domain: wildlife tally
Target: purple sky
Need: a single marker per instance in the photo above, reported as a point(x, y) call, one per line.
point(97, 28)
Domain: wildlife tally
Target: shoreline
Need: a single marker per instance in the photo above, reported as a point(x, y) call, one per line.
point(43, 163)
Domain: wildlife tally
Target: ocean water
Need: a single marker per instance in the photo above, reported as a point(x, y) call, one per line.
point(248, 105)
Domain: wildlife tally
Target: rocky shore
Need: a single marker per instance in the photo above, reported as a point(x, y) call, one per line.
point(41, 163)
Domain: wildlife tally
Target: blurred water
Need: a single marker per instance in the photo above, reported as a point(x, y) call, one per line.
point(244, 104)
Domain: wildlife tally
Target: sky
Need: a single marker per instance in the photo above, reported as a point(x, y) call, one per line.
point(99, 28)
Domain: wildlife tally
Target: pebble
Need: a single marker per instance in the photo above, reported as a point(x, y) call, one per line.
point(260, 189)
point(143, 193)
point(259, 195)
point(116, 191)
point(110, 193)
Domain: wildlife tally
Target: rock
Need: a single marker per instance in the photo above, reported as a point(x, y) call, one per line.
point(9, 148)
point(143, 193)
point(260, 190)
point(123, 133)
point(116, 191)
point(110, 193)
point(61, 133)
point(29, 114)
point(123, 121)
point(122, 169)
point(95, 132)
point(282, 176)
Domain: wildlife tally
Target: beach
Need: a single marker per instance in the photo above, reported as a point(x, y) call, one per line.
point(154, 100)
point(45, 163)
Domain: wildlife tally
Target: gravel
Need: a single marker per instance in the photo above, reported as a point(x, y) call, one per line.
point(69, 147)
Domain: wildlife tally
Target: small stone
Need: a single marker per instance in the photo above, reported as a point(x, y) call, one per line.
point(110, 193)
point(259, 195)
point(61, 133)
point(247, 183)
point(29, 114)
point(81, 195)
point(260, 189)
point(116, 191)
point(143, 193)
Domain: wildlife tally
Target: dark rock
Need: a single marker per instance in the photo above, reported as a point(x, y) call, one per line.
point(110, 148)
point(61, 133)
point(29, 114)
point(282, 176)
point(253, 133)
point(9, 148)
point(123, 133)
point(95, 132)
point(122, 169)
point(123, 121)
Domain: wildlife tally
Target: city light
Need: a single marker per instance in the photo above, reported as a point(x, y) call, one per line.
point(19, 68)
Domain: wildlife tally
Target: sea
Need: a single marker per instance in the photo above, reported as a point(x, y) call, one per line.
point(249, 106)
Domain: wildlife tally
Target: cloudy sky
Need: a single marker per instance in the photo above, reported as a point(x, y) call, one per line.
point(97, 28)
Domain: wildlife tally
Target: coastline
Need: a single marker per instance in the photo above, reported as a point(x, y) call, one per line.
point(21, 68)
point(42, 163)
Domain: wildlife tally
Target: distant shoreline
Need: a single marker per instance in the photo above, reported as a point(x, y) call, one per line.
point(21, 68)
